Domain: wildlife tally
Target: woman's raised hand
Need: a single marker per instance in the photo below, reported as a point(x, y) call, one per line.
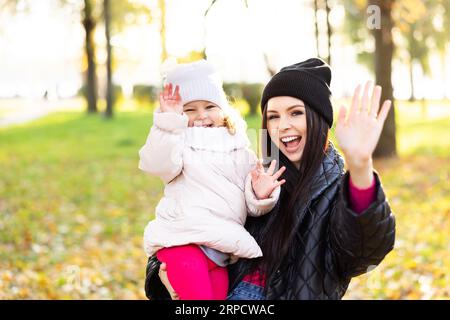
point(264, 182)
point(358, 130)
point(170, 100)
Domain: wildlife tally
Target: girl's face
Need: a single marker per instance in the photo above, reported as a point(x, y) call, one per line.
point(286, 123)
point(204, 114)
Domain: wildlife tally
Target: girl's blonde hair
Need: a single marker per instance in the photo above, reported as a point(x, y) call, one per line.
point(229, 124)
point(233, 120)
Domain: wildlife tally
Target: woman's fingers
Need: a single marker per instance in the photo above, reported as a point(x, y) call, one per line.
point(375, 101)
point(365, 101)
point(342, 115)
point(384, 111)
point(165, 281)
point(355, 101)
point(278, 173)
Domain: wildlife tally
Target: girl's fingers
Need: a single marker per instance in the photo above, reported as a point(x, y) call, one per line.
point(177, 93)
point(271, 167)
point(355, 101)
point(365, 103)
point(375, 101)
point(278, 173)
point(259, 166)
point(279, 183)
point(254, 174)
point(384, 111)
point(166, 92)
point(170, 89)
point(161, 101)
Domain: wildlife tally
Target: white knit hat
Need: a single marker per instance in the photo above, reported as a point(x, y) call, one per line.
point(197, 80)
point(200, 81)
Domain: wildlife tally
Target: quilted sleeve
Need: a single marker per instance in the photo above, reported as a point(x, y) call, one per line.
point(361, 241)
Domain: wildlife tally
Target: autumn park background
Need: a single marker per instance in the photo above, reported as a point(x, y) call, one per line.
point(78, 81)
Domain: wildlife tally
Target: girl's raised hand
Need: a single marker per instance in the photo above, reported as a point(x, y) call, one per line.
point(264, 182)
point(358, 129)
point(170, 100)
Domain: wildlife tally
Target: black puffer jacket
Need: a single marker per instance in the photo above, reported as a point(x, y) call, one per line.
point(333, 243)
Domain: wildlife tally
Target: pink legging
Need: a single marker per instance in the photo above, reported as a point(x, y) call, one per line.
point(193, 275)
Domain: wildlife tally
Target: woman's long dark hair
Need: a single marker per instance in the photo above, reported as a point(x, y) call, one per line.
point(274, 231)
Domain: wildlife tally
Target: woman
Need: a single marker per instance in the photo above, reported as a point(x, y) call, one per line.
point(329, 224)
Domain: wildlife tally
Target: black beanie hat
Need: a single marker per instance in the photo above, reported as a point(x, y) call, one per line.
point(308, 81)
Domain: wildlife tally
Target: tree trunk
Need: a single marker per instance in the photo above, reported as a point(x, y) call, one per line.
point(444, 73)
point(412, 46)
point(329, 31)
point(162, 8)
point(316, 25)
point(412, 98)
point(270, 69)
point(109, 85)
point(91, 78)
point(384, 49)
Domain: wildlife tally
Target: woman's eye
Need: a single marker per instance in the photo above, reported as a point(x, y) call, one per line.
point(187, 110)
point(210, 107)
point(272, 117)
point(297, 113)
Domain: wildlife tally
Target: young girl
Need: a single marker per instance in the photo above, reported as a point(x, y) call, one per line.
point(198, 147)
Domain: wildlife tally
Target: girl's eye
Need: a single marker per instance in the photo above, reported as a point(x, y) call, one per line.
point(272, 117)
point(297, 113)
point(187, 110)
point(210, 107)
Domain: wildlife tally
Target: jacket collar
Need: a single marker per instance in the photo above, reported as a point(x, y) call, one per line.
point(216, 139)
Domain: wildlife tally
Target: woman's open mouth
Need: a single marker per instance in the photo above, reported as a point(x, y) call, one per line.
point(291, 143)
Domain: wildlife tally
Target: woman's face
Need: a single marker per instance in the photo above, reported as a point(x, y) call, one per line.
point(286, 123)
point(204, 114)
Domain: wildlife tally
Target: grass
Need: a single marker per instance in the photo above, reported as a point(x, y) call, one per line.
point(72, 198)
point(73, 206)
